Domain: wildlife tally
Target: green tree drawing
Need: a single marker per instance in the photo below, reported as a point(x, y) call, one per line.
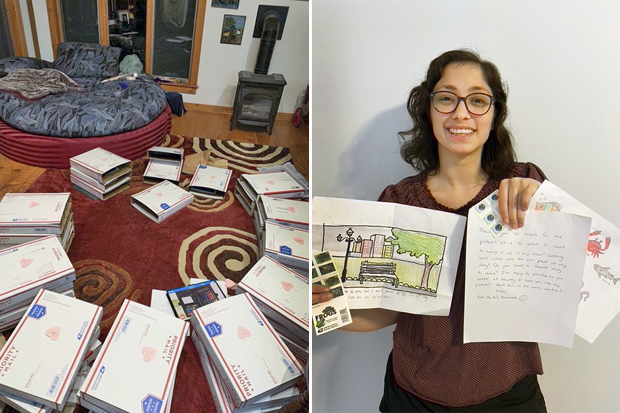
point(418, 244)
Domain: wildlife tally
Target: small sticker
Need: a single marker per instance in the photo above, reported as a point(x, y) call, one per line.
point(488, 211)
point(37, 311)
point(213, 329)
point(164, 206)
point(151, 404)
point(286, 250)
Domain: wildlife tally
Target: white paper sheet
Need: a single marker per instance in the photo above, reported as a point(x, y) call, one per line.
point(600, 293)
point(400, 257)
point(524, 285)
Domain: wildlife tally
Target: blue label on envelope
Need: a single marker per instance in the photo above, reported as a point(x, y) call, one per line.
point(285, 250)
point(213, 329)
point(151, 404)
point(164, 206)
point(202, 167)
point(37, 311)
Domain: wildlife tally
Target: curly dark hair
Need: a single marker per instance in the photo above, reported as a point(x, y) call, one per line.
point(419, 146)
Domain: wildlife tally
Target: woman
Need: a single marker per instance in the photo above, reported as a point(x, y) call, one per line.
point(464, 152)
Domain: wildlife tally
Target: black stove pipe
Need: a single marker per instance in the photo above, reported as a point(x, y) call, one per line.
point(271, 26)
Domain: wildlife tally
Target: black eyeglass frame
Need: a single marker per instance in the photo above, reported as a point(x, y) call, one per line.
point(464, 100)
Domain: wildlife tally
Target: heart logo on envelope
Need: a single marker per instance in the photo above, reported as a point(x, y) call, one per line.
point(243, 332)
point(159, 194)
point(299, 240)
point(148, 353)
point(33, 204)
point(25, 262)
point(53, 333)
point(104, 159)
point(291, 209)
point(230, 284)
point(271, 182)
point(287, 285)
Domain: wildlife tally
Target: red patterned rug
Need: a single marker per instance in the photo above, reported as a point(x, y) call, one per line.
point(119, 253)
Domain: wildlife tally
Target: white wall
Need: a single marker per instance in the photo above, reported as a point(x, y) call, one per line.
point(561, 61)
point(221, 63)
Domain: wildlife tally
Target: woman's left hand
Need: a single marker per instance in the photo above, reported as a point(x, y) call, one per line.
point(515, 195)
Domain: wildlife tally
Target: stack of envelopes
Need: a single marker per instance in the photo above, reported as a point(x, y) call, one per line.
point(253, 366)
point(41, 360)
point(100, 174)
point(28, 268)
point(26, 217)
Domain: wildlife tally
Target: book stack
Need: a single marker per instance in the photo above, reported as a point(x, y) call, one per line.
point(161, 201)
point(210, 182)
point(28, 268)
point(27, 217)
point(277, 184)
point(283, 211)
point(250, 357)
point(288, 245)
point(282, 295)
point(41, 359)
point(165, 164)
point(150, 342)
point(100, 174)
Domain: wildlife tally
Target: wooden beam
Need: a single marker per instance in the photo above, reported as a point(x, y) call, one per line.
point(17, 28)
point(104, 30)
point(54, 17)
point(33, 29)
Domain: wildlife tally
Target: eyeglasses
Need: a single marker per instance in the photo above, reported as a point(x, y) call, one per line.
point(476, 103)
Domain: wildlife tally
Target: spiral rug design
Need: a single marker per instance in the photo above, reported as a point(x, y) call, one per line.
point(119, 253)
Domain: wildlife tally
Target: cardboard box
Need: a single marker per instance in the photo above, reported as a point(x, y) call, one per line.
point(210, 182)
point(30, 267)
point(250, 356)
point(102, 165)
point(36, 213)
point(41, 359)
point(161, 201)
point(221, 397)
point(284, 293)
point(288, 245)
point(158, 170)
point(149, 341)
point(284, 211)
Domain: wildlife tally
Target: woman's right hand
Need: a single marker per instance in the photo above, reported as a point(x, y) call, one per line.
point(320, 294)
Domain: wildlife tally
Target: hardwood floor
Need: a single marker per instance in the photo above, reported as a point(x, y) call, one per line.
point(199, 121)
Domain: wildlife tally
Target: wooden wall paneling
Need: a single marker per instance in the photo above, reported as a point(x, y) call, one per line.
point(17, 28)
point(33, 29)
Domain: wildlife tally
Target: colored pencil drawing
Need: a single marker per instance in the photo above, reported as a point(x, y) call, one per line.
point(375, 256)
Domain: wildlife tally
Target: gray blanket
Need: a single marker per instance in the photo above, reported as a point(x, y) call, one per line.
point(32, 84)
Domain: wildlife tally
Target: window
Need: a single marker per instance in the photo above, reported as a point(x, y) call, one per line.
point(12, 39)
point(166, 35)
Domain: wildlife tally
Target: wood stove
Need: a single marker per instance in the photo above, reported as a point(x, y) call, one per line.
point(257, 100)
point(258, 94)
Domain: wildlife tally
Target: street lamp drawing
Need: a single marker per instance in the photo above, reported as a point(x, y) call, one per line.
point(349, 238)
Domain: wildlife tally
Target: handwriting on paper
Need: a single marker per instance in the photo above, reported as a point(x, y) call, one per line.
point(524, 285)
point(528, 262)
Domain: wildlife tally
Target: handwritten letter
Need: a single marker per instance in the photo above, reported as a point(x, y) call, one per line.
point(524, 285)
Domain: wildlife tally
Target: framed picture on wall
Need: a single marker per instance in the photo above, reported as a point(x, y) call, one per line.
point(228, 4)
point(232, 29)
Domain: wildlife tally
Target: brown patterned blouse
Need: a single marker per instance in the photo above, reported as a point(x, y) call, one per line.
point(429, 357)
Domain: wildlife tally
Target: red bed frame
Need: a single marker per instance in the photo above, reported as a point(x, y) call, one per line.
point(52, 152)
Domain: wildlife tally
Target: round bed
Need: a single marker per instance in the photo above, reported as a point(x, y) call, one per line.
point(50, 112)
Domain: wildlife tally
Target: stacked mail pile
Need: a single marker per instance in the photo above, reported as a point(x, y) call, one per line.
point(282, 295)
point(288, 245)
point(150, 342)
point(28, 268)
point(283, 211)
point(41, 360)
point(100, 174)
point(27, 217)
point(161, 201)
point(277, 184)
point(245, 360)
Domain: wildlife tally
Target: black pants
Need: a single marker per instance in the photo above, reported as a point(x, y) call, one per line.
point(524, 396)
